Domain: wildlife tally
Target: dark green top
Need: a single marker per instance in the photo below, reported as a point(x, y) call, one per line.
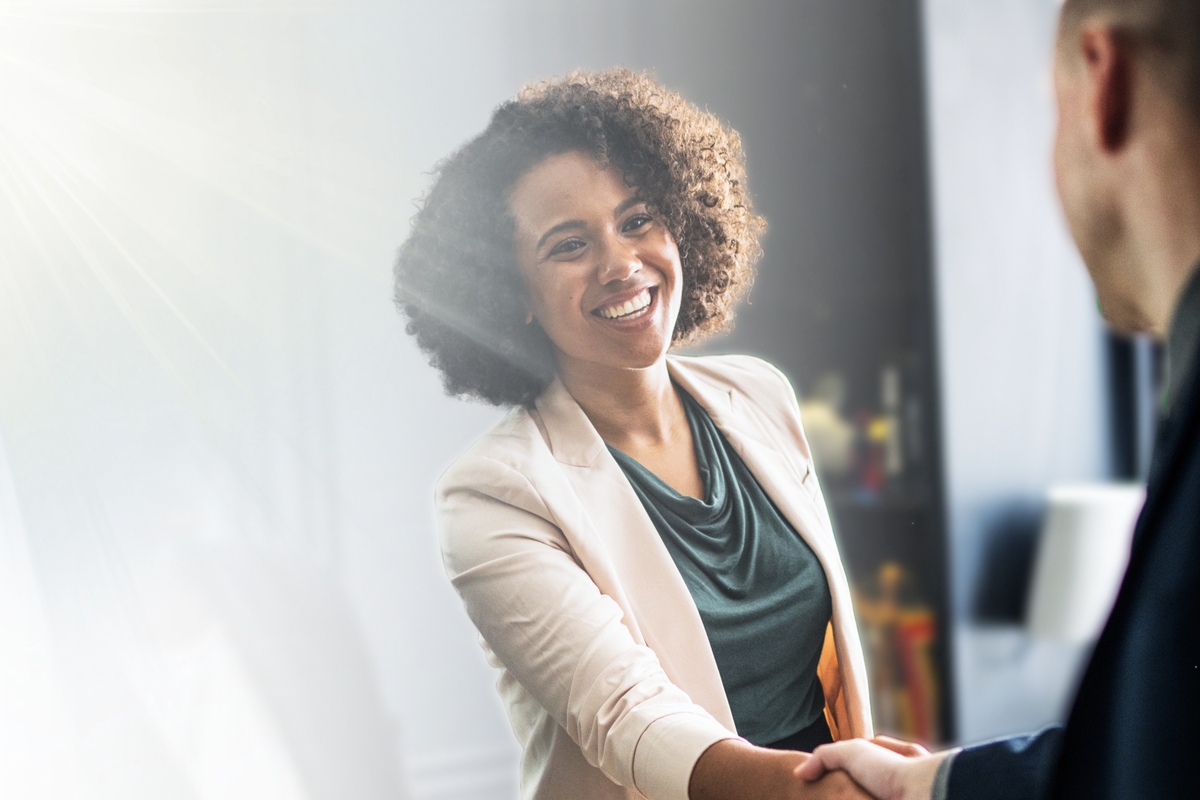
point(760, 590)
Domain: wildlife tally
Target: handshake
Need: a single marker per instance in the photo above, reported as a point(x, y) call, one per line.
point(857, 769)
point(882, 768)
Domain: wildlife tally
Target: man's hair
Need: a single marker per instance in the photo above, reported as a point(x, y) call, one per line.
point(1168, 31)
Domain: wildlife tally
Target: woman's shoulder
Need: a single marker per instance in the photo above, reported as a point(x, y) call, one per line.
point(755, 387)
point(489, 502)
point(751, 376)
point(505, 453)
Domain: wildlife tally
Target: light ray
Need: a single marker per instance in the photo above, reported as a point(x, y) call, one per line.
point(117, 306)
point(144, 333)
point(58, 110)
point(157, 352)
point(166, 137)
point(61, 179)
point(162, 702)
point(49, 8)
point(65, 440)
point(462, 323)
point(103, 277)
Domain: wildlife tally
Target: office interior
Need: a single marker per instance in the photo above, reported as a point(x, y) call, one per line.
point(219, 569)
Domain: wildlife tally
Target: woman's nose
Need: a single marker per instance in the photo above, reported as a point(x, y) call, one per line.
point(617, 263)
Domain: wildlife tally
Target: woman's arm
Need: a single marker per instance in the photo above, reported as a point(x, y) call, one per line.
point(562, 639)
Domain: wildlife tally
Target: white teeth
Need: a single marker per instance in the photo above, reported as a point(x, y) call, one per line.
point(628, 307)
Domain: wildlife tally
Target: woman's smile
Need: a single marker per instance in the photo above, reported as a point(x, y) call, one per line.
point(627, 310)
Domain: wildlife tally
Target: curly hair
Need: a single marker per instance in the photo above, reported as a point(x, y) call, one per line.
point(456, 277)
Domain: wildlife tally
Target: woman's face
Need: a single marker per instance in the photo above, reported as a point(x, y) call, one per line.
point(603, 274)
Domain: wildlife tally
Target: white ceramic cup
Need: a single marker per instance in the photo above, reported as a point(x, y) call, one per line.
point(1081, 558)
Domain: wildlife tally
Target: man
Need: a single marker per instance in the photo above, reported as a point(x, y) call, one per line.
point(1127, 162)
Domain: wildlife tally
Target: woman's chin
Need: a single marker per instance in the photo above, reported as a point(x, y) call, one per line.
point(645, 351)
point(612, 363)
point(623, 344)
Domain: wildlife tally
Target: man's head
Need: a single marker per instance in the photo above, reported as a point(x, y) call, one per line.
point(1127, 150)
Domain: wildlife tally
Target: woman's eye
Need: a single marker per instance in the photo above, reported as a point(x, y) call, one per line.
point(568, 246)
point(639, 221)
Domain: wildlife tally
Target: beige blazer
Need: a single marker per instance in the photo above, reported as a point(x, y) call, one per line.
point(605, 668)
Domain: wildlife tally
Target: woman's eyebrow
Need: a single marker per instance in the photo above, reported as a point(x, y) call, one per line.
point(562, 226)
point(627, 204)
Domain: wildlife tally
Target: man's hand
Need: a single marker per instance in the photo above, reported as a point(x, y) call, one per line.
point(734, 769)
point(906, 749)
point(886, 768)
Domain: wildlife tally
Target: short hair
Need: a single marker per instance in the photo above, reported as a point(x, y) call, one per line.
point(456, 276)
point(1168, 29)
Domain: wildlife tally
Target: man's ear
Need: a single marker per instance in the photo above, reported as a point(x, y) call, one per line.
point(1108, 66)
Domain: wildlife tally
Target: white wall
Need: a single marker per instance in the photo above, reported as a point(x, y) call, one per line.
point(1021, 346)
point(218, 567)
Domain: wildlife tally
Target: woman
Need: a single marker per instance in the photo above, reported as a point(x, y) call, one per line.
point(642, 542)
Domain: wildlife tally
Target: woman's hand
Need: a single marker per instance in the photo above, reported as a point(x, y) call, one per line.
point(887, 768)
point(734, 769)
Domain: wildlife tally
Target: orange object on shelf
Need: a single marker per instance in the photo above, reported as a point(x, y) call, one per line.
point(899, 639)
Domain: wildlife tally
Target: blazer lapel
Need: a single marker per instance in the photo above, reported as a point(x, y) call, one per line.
point(1173, 433)
point(780, 477)
point(619, 547)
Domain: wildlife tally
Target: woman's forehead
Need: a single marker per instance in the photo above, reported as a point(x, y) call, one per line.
point(564, 185)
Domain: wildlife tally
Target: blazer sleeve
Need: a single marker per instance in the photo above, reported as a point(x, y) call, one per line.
point(1013, 768)
point(552, 629)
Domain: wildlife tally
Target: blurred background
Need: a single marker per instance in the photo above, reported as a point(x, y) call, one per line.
point(219, 574)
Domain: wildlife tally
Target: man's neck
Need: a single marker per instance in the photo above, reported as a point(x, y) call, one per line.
point(1165, 221)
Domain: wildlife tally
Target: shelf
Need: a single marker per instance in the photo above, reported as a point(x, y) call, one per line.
point(884, 501)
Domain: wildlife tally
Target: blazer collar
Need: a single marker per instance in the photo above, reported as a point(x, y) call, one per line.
point(573, 439)
point(571, 436)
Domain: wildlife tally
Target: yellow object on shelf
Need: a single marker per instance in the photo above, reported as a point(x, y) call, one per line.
point(879, 429)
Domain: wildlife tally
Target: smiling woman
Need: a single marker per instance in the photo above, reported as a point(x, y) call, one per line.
point(642, 542)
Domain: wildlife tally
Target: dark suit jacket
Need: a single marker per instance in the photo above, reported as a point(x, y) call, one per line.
point(1134, 729)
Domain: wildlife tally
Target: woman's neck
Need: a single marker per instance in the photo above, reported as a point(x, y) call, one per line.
point(639, 412)
point(631, 409)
